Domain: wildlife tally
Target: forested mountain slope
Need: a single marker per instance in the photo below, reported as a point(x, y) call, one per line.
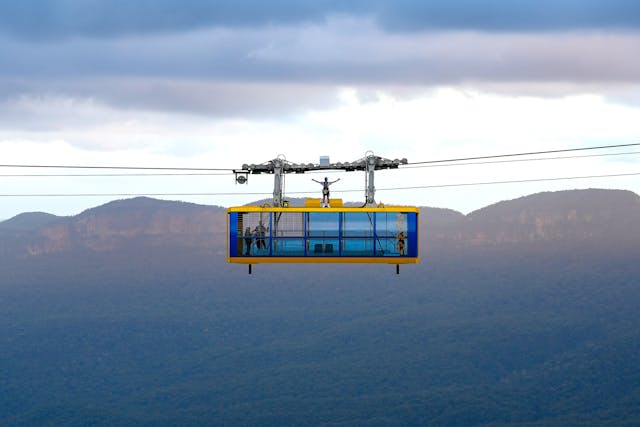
point(518, 314)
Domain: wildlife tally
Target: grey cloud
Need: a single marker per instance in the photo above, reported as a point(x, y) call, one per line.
point(51, 19)
point(224, 73)
point(216, 99)
point(510, 15)
point(48, 105)
point(45, 19)
point(343, 53)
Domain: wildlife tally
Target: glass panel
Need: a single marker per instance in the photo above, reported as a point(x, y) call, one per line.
point(412, 239)
point(288, 224)
point(392, 233)
point(234, 245)
point(288, 247)
point(357, 247)
point(358, 224)
point(323, 224)
point(322, 247)
point(253, 233)
point(386, 247)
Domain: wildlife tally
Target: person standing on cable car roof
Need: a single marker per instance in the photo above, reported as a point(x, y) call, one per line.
point(325, 190)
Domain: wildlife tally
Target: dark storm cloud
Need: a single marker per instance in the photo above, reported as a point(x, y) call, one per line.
point(45, 19)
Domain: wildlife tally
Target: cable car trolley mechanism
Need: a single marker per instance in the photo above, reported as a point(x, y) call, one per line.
point(323, 230)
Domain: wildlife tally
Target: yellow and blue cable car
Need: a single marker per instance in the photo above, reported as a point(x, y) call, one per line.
point(322, 232)
point(309, 234)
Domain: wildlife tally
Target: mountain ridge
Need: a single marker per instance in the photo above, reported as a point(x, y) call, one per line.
point(27, 221)
point(576, 214)
point(570, 216)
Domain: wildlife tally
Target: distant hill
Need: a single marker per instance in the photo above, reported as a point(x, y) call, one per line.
point(605, 217)
point(27, 221)
point(118, 225)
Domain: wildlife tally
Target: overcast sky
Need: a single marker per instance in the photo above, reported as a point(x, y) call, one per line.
point(221, 83)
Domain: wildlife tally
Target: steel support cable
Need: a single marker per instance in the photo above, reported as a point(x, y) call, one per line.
point(411, 166)
point(226, 174)
point(24, 175)
point(159, 168)
point(515, 181)
point(536, 159)
point(531, 153)
point(234, 169)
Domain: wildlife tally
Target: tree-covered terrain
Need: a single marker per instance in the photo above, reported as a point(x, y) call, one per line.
point(483, 338)
point(483, 332)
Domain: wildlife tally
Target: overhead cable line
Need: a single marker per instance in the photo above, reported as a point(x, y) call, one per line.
point(514, 181)
point(234, 169)
point(531, 153)
point(117, 167)
point(535, 159)
point(132, 194)
point(115, 174)
point(412, 166)
point(313, 192)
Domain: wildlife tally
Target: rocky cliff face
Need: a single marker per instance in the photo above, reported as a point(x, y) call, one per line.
point(136, 222)
point(570, 216)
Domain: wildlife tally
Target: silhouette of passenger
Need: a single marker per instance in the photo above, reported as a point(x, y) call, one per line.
point(401, 238)
point(247, 241)
point(260, 232)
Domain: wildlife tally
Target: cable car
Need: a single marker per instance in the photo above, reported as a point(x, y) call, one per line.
point(319, 231)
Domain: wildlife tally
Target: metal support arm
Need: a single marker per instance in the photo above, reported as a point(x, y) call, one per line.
point(280, 166)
